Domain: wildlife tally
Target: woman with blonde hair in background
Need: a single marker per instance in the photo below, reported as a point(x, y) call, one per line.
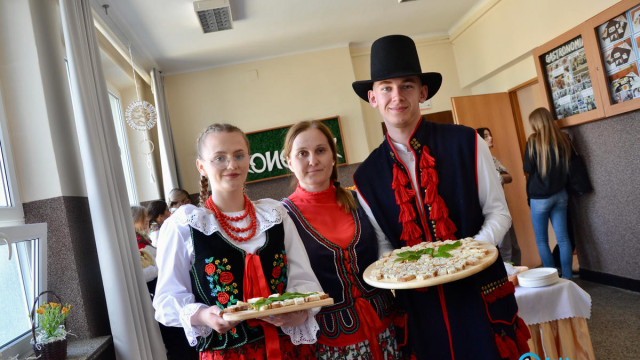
point(546, 161)
point(232, 249)
point(177, 198)
point(341, 243)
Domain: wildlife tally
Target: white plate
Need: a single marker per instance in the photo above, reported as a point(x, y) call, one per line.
point(538, 277)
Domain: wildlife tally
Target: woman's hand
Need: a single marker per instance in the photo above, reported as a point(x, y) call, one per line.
point(289, 319)
point(211, 317)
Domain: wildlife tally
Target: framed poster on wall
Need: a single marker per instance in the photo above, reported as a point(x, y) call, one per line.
point(593, 70)
point(267, 160)
point(618, 41)
point(568, 79)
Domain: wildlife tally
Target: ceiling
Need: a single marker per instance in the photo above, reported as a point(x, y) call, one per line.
point(167, 34)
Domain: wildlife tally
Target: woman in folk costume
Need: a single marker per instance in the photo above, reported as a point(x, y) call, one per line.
point(430, 182)
point(341, 243)
point(232, 249)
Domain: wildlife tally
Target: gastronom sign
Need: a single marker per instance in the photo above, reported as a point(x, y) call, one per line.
point(267, 160)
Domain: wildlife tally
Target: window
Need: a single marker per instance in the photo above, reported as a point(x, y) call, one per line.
point(10, 206)
point(116, 110)
point(23, 277)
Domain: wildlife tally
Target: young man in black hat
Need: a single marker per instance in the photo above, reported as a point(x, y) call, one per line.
point(431, 182)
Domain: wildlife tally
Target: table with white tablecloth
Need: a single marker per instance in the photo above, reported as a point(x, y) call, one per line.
point(556, 316)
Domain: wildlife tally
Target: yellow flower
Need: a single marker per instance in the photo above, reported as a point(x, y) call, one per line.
point(228, 267)
point(65, 310)
point(274, 263)
point(40, 310)
point(235, 285)
point(225, 260)
point(55, 305)
point(217, 262)
point(235, 291)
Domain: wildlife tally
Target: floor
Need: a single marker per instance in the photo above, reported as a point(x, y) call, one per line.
point(615, 321)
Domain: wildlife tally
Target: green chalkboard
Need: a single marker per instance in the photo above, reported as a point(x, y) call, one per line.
point(267, 160)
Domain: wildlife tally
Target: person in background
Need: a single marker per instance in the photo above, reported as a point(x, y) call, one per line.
point(341, 243)
point(232, 249)
point(509, 248)
point(177, 198)
point(431, 182)
point(146, 249)
point(174, 339)
point(546, 161)
point(158, 212)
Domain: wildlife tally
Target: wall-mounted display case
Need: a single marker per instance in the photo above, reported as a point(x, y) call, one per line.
point(591, 71)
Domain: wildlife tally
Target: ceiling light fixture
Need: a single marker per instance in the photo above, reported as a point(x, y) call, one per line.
point(214, 15)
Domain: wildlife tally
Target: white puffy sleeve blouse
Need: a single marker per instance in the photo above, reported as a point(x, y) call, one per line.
point(174, 300)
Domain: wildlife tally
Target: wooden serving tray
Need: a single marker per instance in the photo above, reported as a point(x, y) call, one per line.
point(252, 314)
point(443, 279)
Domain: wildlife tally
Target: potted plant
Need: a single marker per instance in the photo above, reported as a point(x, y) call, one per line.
point(50, 337)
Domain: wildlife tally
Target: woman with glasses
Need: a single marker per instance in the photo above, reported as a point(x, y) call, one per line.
point(232, 249)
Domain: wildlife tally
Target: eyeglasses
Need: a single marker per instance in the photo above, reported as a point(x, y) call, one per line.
point(222, 162)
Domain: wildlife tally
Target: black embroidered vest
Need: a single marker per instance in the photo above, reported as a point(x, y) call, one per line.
point(217, 279)
point(335, 269)
point(454, 150)
point(460, 319)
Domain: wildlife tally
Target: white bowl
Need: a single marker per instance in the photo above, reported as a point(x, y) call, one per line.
point(538, 277)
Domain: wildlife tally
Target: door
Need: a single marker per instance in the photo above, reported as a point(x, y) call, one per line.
point(494, 111)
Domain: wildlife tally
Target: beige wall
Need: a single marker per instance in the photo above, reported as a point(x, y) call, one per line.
point(261, 95)
point(493, 45)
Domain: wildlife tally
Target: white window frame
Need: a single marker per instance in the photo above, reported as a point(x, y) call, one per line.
point(13, 214)
point(10, 235)
point(125, 156)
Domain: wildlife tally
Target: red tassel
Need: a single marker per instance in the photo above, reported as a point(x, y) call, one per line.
point(426, 160)
point(413, 232)
point(399, 177)
point(511, 346)
point(430, 192)
point(522, 335)
point(502, 348)
point(404, 195)
point(450, 228)
point(437, 208)
point(406, 213)
point(410, 233)
point(441, 230)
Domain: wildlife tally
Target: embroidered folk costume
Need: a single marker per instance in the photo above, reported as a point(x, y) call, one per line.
point(211, 258)
point(467, 319)
point(340, 246)
point(440, 184)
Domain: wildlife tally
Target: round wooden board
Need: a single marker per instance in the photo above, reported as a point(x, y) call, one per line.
point(253, 314)
point(414, 284)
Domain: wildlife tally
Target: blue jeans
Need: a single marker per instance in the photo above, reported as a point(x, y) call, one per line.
point(554, 208)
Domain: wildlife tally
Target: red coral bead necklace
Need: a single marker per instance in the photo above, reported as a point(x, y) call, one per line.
point(233, 231)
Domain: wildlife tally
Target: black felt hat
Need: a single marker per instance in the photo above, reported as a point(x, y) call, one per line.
point(396, 56)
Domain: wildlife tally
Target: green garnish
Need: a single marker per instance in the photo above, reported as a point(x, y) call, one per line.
point(284, 296)
point(415, 255)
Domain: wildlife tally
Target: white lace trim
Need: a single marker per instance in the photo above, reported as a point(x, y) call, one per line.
point(269, 212)
point(305, 333)
point(193, 331)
